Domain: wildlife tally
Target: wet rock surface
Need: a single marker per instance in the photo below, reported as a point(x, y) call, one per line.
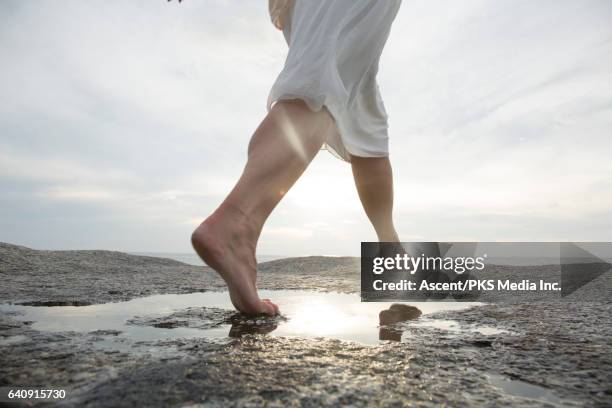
point(556, 345)
point(562, 347)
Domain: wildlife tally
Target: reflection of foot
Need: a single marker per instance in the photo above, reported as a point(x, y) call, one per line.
point(384, 333)
point(398, 313)
point(226, 242)
point(240, 326)
point(239, 330)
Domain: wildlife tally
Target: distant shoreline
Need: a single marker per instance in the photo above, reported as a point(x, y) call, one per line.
point(193, 259)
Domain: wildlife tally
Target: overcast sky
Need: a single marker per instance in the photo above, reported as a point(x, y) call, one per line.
point(123, 124)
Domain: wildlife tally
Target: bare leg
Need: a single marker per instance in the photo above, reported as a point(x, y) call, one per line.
point(374, 181)
point(282, 147)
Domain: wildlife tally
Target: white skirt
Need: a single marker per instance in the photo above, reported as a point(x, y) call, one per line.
point(334, 50)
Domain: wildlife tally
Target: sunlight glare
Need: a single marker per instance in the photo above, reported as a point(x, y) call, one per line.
point(321, 318)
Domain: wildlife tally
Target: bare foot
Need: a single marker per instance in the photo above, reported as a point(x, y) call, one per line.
point(226, 242)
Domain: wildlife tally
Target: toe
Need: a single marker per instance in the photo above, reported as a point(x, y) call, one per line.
point(276, 310)
point(268, 308)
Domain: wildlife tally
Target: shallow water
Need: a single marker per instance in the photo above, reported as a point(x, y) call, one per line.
point(308, 315)
point(521, 389)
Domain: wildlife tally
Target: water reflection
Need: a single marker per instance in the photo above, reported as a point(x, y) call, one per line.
point(242, 325)
point(328, 319)
point(396, 313)
point(390, 334)
point(307, 314)
point(239, 330)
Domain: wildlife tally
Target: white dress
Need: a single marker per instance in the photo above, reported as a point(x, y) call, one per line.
point(334, 50)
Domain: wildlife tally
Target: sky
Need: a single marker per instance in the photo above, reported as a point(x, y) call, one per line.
point(123, 124)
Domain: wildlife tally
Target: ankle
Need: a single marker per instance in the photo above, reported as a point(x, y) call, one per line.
point(233, 217)
point(387, 235)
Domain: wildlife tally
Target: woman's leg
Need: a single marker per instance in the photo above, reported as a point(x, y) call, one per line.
point(374, 181)
point(282, 147)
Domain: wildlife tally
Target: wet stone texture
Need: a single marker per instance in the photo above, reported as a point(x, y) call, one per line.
point(564, 348)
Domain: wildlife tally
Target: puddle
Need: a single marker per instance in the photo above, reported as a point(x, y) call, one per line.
point(453, 326)
point(521, 389)
point(308, 314)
